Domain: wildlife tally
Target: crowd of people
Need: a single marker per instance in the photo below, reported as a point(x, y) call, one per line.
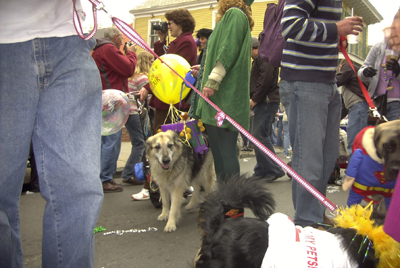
point(60, 111)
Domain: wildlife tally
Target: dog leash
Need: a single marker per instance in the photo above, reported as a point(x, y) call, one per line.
point(128, 31)
point(373, 110)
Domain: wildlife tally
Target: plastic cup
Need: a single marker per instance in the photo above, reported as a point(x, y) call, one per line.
point(353, 39)
point(391, 54)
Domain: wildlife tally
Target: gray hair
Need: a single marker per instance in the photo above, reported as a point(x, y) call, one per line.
point(110, 32)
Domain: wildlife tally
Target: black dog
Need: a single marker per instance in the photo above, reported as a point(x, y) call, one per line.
point(243, 242)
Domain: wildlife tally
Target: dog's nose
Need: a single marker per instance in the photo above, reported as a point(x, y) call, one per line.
point(166, 160)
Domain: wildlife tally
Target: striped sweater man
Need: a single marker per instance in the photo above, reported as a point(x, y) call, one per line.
point(311, 50)
point(309, 93)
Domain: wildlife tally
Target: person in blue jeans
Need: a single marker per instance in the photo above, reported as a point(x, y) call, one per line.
point(286, 135)
point(308, 70)
point(264, 101)
point(50, 94)
point(279, 137)
point(115, 68)
point(354, 101)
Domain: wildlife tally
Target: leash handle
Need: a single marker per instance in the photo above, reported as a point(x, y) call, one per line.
point(128, 31)
point(96, 5)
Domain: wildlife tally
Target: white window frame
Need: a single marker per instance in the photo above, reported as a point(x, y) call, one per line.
point(149, 35)
point(214, 18)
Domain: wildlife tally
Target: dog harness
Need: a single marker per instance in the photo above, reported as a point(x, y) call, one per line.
point(295, 246)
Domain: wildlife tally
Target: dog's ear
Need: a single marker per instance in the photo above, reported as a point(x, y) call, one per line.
point(378, 146)
point(148, 143)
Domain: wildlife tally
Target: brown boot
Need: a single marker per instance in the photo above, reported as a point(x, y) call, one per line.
point(111, 187)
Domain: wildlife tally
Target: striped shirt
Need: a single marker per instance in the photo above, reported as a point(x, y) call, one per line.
point(311, 50)
point(135, 84)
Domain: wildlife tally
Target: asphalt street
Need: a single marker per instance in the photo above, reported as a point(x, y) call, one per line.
point(150, 249)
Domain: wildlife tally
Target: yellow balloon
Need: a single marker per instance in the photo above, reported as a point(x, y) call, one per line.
point(164, 83)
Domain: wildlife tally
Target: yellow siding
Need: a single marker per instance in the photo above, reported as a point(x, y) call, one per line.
point(203, 18)
point(258, 10)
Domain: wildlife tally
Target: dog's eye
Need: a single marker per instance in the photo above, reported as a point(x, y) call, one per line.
point(390, 147)
point(157, 147)
point(170, 145)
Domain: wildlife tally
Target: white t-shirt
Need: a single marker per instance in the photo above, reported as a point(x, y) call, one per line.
point(294, 246)
point(23, 20)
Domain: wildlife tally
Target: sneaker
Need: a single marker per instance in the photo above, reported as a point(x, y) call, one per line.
point(142, 195)
point(133, 181)
point(188, 192)
point(112, 187)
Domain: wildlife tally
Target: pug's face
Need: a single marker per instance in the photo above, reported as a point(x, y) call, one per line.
point(387, 144)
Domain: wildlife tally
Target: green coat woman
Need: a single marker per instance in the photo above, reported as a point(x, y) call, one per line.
point(224, 77)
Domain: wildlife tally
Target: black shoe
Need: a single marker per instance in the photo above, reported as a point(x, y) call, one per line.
point(133, 181)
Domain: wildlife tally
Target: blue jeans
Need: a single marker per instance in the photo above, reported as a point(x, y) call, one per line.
point(358, 119)
point(264, 113)
point(284, 93)
point(134, 128)
point(314, 132)
point(393, 110)
point(279, 140)
point(110, 149)
point(274, 126)
point(286, 138)
point(50, 92)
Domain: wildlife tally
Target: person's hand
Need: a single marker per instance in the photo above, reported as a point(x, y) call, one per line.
point(131, 48)
point(208, 92)
point(162, 36)
point(352, 25)
point(143, 94)
point(252, 104)
point(393, 65)
point(369, 72)
point(195, 70)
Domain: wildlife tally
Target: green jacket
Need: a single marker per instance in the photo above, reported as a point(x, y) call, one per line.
point(230, 43)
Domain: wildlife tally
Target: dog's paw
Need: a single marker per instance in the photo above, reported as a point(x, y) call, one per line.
point(163, 217)
point(170, 228)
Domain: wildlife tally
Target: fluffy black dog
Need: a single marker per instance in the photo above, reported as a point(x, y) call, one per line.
point(243, 242)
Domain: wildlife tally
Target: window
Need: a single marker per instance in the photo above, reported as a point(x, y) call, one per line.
point(214, 18)
point(152, 34)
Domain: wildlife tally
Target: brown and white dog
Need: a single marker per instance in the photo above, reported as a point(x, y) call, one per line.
point(174, 169)
point(387, 144)
point(375, 164)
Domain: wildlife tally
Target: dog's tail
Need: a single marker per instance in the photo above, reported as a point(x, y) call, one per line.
point(237, 192)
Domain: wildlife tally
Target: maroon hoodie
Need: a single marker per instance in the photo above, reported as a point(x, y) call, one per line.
point(114, 67)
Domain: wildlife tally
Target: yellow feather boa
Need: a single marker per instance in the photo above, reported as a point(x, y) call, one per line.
point(387, 250)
